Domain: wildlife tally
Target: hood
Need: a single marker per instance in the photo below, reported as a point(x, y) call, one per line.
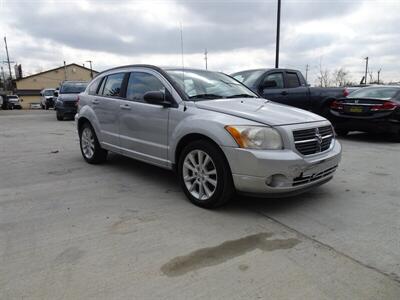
point(260, 110)
point(68, 97)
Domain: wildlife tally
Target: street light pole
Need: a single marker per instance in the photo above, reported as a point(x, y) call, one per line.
point(278, 29)
point(366, 70)
point(91, 70)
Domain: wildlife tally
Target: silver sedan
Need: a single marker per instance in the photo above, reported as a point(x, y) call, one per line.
point(217, 135)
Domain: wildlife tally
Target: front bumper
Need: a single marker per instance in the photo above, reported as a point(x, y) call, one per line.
point(280, 172)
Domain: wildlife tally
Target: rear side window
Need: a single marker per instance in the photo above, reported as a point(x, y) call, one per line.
point(94, 86)
point(292, 80)
point(112, 86)
point(140, 83)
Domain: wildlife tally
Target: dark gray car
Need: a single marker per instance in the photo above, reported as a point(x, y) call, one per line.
point(67, 101)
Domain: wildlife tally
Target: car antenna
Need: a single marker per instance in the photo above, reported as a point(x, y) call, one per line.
point(183, 65)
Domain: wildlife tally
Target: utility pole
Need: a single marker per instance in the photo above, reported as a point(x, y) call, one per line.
point(8, 58)
point(307, 68)
point(366, 70)
point(205, 57)
point(278, 29)
point(379, 73)
point(91, 70)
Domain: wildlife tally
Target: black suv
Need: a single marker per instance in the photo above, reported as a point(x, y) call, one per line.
point(67, 101)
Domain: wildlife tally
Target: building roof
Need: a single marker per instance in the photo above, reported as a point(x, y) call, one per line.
point(58, 68)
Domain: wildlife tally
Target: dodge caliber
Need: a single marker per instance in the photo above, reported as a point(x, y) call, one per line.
point(215, 133)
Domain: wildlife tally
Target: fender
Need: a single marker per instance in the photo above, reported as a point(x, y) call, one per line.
point(88, 113)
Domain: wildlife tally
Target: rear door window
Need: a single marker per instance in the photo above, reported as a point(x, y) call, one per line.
point(140, 83)
point(292, 80)
point(112, 85)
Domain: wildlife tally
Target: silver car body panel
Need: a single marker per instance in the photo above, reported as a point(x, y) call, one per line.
point(151, 133)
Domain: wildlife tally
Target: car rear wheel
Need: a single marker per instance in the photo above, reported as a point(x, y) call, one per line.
point(204, 174)
point(60, 117)
point(90, 146)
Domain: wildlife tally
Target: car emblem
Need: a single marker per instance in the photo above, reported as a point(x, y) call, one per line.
point(318, 138)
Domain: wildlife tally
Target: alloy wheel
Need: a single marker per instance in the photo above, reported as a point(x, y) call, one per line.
point(87, 141)
point(199, 174)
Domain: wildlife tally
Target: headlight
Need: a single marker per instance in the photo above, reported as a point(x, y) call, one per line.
point(256, 137)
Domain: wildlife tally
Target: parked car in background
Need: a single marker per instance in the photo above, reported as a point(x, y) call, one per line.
point(371, 109)
point(217, 134)
point(67, 101)
point(14, 102)
point(289, 87)
point(35, 106)
point(48, 98)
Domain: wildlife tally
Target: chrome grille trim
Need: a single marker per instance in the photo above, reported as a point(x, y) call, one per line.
point(313, 140)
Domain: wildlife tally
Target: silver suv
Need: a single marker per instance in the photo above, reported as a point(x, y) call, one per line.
point(213, 131)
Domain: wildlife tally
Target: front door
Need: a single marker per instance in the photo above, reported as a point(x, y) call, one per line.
point(144, 126)
point(276, 93)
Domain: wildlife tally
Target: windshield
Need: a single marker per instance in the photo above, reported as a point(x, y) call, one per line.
point(248, 77)
point(375, 92)
point(73, 87)
point(201, 85)
point(49, 92)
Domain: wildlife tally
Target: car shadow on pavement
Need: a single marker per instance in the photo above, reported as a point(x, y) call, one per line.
point(239, 204)
point(284, 204)
point(142, 170)
point(369, 138)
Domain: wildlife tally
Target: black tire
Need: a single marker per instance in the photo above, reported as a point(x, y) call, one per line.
point(59, 116)
point(46, 107)
point(224, 190)
point(341, 132)
point(99, 154)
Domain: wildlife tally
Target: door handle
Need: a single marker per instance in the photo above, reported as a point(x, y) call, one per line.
point(284, 93)
point(125, 106)
point(95, 101)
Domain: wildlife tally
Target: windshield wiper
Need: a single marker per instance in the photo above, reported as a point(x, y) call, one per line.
point(241, 96)
point(206, 96)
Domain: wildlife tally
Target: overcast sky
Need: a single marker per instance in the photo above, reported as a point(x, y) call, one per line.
point(238, 34)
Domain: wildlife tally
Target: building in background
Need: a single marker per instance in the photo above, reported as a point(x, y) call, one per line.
point(28, 88)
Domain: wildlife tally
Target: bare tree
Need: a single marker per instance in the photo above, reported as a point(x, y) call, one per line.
point(323, 77)
point(340, 77)
point(371, 76)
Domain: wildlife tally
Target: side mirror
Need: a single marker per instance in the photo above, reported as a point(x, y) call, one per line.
point(269, 84)
point(156, 97)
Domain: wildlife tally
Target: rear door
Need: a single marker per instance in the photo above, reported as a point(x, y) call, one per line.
point(276, 93)
point(105, 103)
point(297, 92)
point(144, 126)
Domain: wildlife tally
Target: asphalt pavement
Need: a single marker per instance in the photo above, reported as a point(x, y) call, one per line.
point(124, 229)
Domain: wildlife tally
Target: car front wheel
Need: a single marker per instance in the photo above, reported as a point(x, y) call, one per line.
point(90, 146)
point(205, 175)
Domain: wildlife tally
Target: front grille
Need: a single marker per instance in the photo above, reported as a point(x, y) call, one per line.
point(313, 140)
point(307, 179)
